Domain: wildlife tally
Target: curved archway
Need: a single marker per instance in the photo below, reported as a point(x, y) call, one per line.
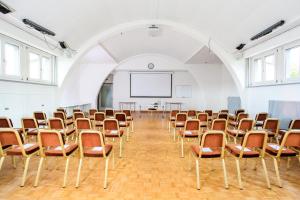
point(228, 59)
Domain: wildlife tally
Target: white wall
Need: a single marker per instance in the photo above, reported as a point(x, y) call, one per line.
point(19, 100)
point(211, 83)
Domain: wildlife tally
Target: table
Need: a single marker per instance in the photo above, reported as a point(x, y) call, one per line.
point(130, 104)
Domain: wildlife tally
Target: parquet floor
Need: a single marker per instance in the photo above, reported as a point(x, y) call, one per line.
point(150, 169)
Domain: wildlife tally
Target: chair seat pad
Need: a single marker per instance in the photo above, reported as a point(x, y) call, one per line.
point(183, 133)
point(32, 132)
point(112, 133)
point(16, 150)
point(284, 153)
point(129, 118)
point(233, 123)
point(236, 132)
point(55, 152)
point(282, 132)
point(215, 152)
point(98, 123)
point(124, 124)
point(96, 153)
point(178, 124)
point(203, 124)
point(232, 148)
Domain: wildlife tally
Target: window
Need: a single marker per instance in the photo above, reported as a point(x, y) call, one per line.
point(11, 60)
point(270, 68)
point(292, 63)
point(258, 70)
point(21, 62)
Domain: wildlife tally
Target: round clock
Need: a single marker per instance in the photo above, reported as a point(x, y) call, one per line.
point(150, 66)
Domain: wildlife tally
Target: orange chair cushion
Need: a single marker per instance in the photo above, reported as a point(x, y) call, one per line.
point(214, 154)
point(58, 152)
point(284, 153)
point(178, 124)
point(232, 148)
point(32, 132)
point(92, 153)
point(124, 124)
point(16, 150)
point(236, 132)
point(112, 133)
point(183, 133)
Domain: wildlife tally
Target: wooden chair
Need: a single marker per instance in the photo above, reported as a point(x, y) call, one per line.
point(192, 114)
point(224, 111)
point(191, 130)
point(203, 118)
point(82, 124)
point(129, 118)
point(99, 117)
point(210, 114)
point(219, 125)
point(123, 123)
point(212, 146)
point(172, 118)
point(62, 115)
point(30, 128)
point(109, 113)
point(51, 145)
point(289, 147)
point(239, 117)
point(293, 125)
point(92, 144)
point(260, 119)
point(92, 113)
point(112, 130)
point(7, 123)
point(11, 145)
point(58, 124)
point(65, 112)
point(179, 123)
point(253, 146)
point(223, 115)
point(77, 115)
point(271, 126)
point(40, 118)
point(76, 110)
point(244, 126)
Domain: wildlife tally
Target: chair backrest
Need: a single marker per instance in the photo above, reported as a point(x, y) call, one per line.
point(213, 139)
point(39, 115)
point(5, 122)
point(91, 138)
point(29, 123)
point(295, 124)
point(224, 111)
point(120, 116)
point(9, 136)
point(291, 139)
point(109, 112)
point(99, 116)
point(83, 123)
point(50, 138)
point(271, 124)
point(192, 125)
point(191, 113)
point(59, 114)
point(76, 110)
point(203, 117)
point(56, 123)
point(219, 124)
point(92, 112)
point(127, 112)
point(77, 115)
point(238, 111)
point(261, 116)
point(241, 116)
point(61, 110)
point(246, 124)
point(223, 115)
point(254, 139)
point(110, 124)
point(182, 117)
point(209, 112)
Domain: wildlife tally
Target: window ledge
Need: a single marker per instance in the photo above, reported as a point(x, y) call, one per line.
point(274, 84)
point(26, 81)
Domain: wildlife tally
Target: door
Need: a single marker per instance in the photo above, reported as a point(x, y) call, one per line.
point(105, 96)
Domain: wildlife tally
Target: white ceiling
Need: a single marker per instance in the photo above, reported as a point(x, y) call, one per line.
point(226, 22)
point(204, 56)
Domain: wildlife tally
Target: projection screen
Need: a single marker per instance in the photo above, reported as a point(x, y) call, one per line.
point(151, 85)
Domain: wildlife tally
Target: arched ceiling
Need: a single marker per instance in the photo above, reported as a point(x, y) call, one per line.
point(226, 22)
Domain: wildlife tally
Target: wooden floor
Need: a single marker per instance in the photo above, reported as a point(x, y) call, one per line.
point(150, 169)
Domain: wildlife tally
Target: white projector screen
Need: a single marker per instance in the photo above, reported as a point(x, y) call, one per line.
point(151, 85)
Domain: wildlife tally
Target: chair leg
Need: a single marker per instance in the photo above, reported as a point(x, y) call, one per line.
point(113, 158)
point(277, 172)
point(1, 161)
point(225, 173)
point(190, 161)
point(132, 126)
point(288, 162)
point(120, 153)
point(197, 174)
point(25, 171)
point(127, 134)
point(14, 161)
point(106, 172)
point(36, 182)
point(78, 173)
point(266, 173)
point(255, 164)
point(169, 126)
point(66, 172)
point(239, 173)
point(174, 134)
point(182, 153)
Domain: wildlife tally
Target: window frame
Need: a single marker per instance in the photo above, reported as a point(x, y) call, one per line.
point(285, 49)
point(24, 62)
